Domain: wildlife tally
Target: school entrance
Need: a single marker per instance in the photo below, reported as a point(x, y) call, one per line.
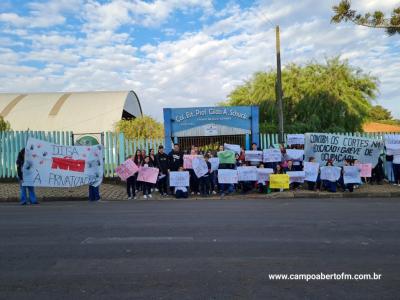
point(209, 127)
point(211, 142)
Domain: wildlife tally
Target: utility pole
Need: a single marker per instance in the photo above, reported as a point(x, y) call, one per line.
point(279, 86)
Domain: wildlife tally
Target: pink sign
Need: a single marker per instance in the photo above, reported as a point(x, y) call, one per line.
point(126, 169)
point(147, 174)
point(188, 161)
point(366, 170)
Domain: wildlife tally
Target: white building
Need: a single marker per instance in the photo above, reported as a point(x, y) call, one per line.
point(86, 112)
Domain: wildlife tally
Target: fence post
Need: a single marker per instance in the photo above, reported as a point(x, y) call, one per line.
point(247, 141)
point(121, 148)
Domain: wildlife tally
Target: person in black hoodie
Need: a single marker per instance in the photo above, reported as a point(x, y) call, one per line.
point(175, 158)
point(20, 164)
point(162, 163)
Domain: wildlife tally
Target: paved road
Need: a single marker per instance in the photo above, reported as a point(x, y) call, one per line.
point(221, 249)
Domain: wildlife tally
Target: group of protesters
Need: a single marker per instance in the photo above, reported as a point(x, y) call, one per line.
point(208, 184)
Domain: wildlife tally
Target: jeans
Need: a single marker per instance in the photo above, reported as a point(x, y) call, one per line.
point(205, 185)
point(94, 193)
point(163, 185)
point(31, 191)
point(131, 186)
point(226, 187)
point(389, 171)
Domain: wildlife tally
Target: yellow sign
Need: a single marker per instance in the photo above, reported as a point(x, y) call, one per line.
point(279, 181)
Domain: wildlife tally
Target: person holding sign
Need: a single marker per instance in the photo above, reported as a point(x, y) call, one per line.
point(205, 180)
point(181, 191)
point(313, 178)
point(131, 183)
point(147, 185)
point(23, 197)
point(138, 160)
point(162, 163)
point(330, 175)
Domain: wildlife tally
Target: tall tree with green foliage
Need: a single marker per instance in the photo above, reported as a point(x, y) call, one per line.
point(377, 19)
point(379, 113)
point(4, 125)
point(141, 128)
point(329, 97)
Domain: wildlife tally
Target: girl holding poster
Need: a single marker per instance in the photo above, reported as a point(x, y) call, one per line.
point(181, 191)
point(138, 160)
point(131, 183)
point(146, 185)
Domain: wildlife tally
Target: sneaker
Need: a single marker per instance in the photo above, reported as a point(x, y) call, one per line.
point(156, 190)
point(192, 193)
point(144, 197)
point(150, 196)
point(214, 192)
point(134, 198)
point(129, 198)
point(198, 193)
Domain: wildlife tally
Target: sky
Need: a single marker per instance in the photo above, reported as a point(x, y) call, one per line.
point(181, 53)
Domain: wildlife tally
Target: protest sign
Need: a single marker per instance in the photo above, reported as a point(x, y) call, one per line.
point(338, 148)
point(180, 178)
point(253, 155)
point(148, 174)
point(247, 173)
point(330, 173)
point(127, 169)
point(311, 169)
point(214, 163)
point(392, 143)
point(295, 139)
point(296, 176)
point(263, 174)
point(295, 154)
point(272, 155)
point(51, 165)
point(199, 166)
point(234, 148)
point(366, 170)
point(279, 181)
point(188, 160)
point(227, 176)
point(351, 174)
point(226, 157)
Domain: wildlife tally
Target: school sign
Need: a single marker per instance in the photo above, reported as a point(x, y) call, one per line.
point(211, 121)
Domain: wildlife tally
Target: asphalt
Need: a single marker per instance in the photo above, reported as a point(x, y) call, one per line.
point(209, 249)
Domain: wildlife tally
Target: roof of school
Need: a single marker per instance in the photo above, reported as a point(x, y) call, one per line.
point(380, 127)
point(80, 112)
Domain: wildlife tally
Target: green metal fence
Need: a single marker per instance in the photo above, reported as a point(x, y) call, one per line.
point(12, 142)
point(116, 147)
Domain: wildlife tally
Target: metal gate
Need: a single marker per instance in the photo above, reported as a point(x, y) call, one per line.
point(210, 142)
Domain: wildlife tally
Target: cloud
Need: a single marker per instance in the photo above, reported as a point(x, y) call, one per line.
point(199, 67)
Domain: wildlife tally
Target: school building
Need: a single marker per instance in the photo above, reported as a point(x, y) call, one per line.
point(208, 127)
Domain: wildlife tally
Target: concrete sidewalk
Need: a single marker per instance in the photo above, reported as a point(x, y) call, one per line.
point(9, 192)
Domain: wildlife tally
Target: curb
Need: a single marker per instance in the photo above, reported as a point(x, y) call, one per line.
point(283, 195)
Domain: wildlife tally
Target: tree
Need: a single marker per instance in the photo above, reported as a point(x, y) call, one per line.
point(379, 113)
point(343, 12)
point(329, 97)
point(4, 125)
point(141, 128)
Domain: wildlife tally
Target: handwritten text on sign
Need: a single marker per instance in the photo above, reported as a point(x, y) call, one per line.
point(127, 169)
point(272, 155)
point(253, 155)
point(227, 176)
point(247, 173)
point(179, 178)
point(279, 181)
point(147, 174)
point(50, 165)
point(338, 148)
